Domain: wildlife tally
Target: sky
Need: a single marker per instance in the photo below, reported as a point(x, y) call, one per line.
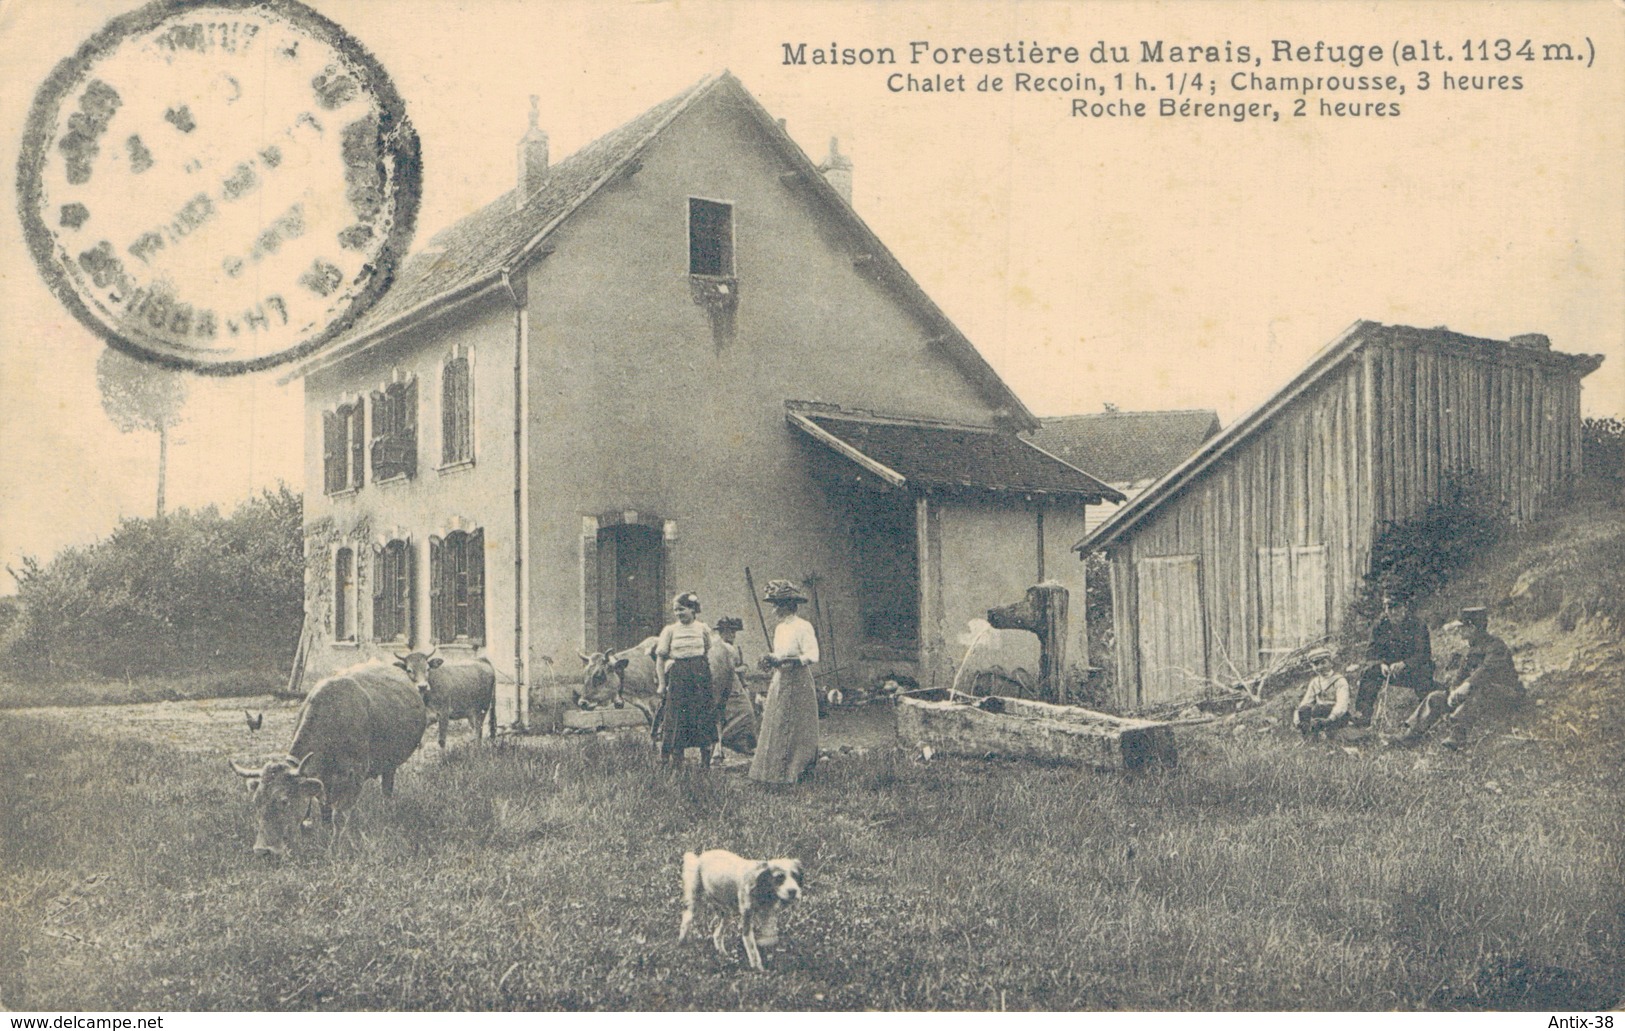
point(1146, 262)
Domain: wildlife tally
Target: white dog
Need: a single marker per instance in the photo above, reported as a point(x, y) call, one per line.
point(754, 888)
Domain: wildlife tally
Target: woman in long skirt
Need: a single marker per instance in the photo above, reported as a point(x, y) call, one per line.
point(683, 679)
point(787, 746)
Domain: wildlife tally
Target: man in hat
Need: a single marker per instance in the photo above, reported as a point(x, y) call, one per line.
point(1400, 653)
point(1487, 682)
point(1325, 704)
point(736, 714)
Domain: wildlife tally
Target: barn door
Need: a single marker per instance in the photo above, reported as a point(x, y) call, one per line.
point(1291, 599)
point(1173, 628)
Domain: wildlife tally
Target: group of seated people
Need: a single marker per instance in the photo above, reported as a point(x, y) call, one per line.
point(1401, 652)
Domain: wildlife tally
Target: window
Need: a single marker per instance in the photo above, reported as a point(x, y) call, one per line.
point(343, 445)
point(344, 595)
point(710, 238)
point(456, 411)
point(395, 430)
point(457, 587)
point(392, 593)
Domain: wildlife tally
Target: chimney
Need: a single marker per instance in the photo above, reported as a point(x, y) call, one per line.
point(1533, 341)
point(532, 157)
point(837, 168)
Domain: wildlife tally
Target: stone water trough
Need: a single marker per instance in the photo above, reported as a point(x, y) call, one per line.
point(951, 723)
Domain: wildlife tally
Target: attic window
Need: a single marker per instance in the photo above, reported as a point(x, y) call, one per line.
point(710, 238)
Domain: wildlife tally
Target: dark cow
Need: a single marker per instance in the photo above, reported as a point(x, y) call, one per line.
point(360, 723)
point(454, 690)
point(607, 679)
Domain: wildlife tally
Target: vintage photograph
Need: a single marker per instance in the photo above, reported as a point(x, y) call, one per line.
point(1093, 505)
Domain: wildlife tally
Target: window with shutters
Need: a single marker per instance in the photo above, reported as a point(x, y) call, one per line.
point(1292, 598)
point(343, 448)
point(457, 587)
point(344, 622)
point(392, 592)
point(710, 238)
point(395, 431)
point(456, 411)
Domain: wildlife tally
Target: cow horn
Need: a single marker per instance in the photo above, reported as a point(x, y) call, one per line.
point(243, 771)
point(401, 655)
point(435, 650)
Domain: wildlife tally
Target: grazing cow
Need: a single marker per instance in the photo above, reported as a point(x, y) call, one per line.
point(607, 679)
point(360, 723)
point(454, 690)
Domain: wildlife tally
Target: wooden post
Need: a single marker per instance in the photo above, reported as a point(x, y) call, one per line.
point(1043, 612)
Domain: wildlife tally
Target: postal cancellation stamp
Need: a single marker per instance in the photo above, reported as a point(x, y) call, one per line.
point(218, 185)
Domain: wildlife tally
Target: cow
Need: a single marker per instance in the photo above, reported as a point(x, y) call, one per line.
point(360, 723)
point(607, 678)
point(454, 690)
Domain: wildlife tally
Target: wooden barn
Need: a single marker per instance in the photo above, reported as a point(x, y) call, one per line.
point(1254, 545)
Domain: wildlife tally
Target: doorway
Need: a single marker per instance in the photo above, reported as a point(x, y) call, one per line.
point(631, 595)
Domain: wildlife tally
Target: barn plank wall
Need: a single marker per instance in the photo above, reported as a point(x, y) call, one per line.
point(1372, 440)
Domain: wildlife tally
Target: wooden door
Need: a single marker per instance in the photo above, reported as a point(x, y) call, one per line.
point(1172, 628)
point(631, 596)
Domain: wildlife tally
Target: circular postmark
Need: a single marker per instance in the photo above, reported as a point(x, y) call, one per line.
point(219, 185)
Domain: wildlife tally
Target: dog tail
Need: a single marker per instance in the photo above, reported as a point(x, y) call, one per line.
point(691, 875)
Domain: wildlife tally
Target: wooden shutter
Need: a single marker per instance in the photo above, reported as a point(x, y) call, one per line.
point(358, 444)
point(455, 425)
point(474, 545)
point(1172, 628)
point(1309, 592)
point(381, 630)
point(410, 591)
point(406, 428)
point(333, 445)
point(439, 624)
point(381, 423)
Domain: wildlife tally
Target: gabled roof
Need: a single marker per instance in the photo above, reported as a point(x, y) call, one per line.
point(1530, 350)
point(479, 253)
point(1126, 447)
point(917, 454)
point(473, 254)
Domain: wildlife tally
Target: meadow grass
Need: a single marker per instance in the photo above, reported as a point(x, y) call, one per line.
point(1260, 874)
point(21, 693)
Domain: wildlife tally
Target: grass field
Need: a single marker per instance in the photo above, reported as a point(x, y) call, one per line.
point(543, 874)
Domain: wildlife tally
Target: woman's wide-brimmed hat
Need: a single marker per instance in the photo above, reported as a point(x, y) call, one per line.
point(729, 623)
point(782, 590)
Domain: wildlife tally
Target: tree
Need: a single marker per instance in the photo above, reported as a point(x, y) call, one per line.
point(193, 592)
point(139, 395)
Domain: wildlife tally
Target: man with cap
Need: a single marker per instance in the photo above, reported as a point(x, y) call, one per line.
point(1487, 682)
point(1400, 653)
point(1325, 703)
point(736, 714)
point(787, 747)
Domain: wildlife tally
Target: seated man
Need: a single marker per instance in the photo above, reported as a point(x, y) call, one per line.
point(1325, 704)
point(1400, 653)
point(1486, 683)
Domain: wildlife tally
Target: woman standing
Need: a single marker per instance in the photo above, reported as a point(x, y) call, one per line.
point(787, 747)
point(683, 679)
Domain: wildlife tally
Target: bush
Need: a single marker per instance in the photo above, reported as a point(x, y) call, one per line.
point(1098, 690)
point(190, 592)
point(1602, 450)
point(1417, 556)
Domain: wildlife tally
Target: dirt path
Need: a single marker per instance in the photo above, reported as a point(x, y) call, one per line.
point(217, 725)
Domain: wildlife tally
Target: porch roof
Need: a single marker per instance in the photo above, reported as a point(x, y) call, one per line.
point(919, 454)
